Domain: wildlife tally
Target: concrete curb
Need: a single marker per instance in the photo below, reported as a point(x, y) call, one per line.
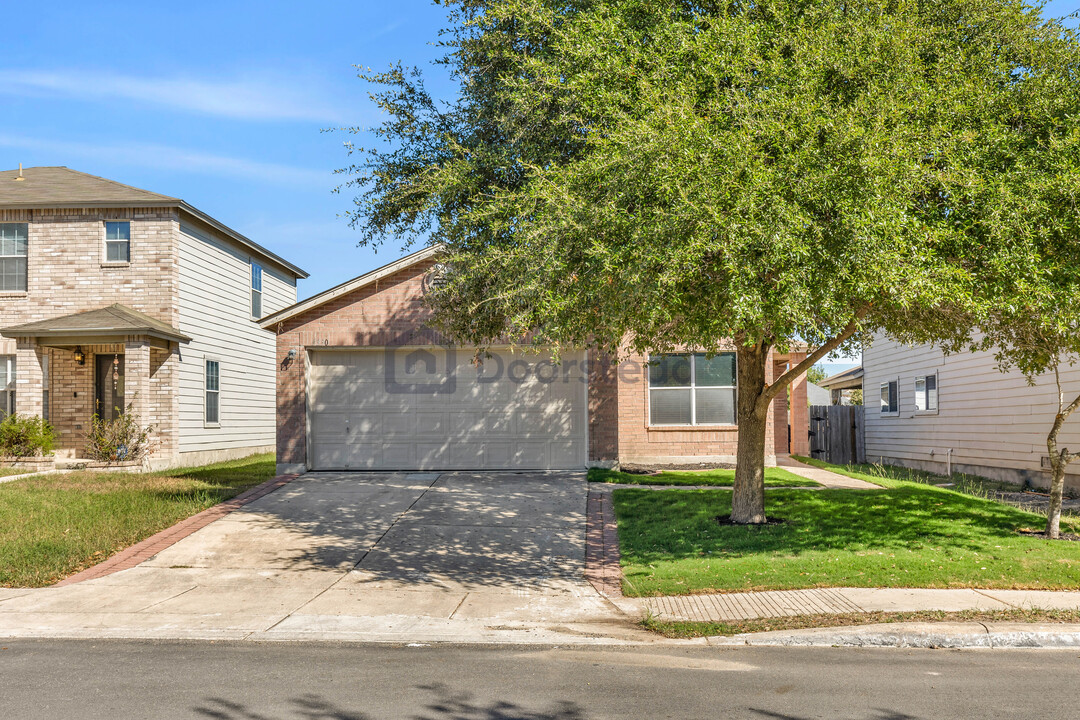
point(917, 635)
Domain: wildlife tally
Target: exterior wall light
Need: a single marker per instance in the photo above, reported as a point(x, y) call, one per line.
point(80, 357)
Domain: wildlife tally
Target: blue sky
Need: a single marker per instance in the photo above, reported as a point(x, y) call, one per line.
point(219, 103)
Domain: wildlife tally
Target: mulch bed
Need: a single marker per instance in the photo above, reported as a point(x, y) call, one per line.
point(654, 469)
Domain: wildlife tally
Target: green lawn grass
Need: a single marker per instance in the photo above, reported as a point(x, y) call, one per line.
point(52, 526)
point(6, 471)
point(904, 535)
point(774, 477)
point(960, 482)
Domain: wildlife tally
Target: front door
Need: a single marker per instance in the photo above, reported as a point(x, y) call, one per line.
point(109, 381)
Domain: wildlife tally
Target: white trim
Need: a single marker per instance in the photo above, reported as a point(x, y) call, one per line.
point(252, 290)
point(348, 287)
point(693, 388)
point(105, 261)
point(926, 396)
point(886, 383)
point(205, 391)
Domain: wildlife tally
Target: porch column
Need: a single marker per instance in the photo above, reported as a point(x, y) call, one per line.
point(800, 411)
point(29, 379)
point(137, 378)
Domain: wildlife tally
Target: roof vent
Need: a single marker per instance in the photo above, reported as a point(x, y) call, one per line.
point(19, 177)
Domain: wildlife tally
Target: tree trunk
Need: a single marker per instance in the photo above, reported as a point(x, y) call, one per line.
point(1057, 487)
point(1059, 459)
point(748, 495)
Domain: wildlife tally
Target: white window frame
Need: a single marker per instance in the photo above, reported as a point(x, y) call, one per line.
point(693, 387)
point(927, 410)
point(207, 422)
point(256, 269)
point(884, 385)
point(7, 390)
point(25, 258)
point(46, 366)
point(105, 243)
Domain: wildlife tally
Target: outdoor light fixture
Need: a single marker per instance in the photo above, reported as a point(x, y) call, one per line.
point(80, 357)
point(292, 353)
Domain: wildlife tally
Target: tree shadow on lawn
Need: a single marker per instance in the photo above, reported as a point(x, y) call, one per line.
point(665, 526)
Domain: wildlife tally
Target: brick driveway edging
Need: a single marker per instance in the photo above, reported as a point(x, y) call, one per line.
point(151, 546)
point(602, 567)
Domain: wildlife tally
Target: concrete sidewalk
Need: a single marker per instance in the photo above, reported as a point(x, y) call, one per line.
point(831, 601)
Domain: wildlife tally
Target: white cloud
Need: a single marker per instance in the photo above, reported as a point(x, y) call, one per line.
point(178, 159)
point(241, 98)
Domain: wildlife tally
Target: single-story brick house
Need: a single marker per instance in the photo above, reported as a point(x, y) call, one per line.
point(364, 383)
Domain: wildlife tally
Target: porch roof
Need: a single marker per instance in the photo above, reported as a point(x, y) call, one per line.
point(111, 321)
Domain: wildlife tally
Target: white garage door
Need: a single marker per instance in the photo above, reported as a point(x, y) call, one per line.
point(433, 409)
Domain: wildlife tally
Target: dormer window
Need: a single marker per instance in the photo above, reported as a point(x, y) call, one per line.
point(118, 242)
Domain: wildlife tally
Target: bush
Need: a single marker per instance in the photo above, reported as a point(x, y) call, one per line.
point(119, 440)
point(25, 436)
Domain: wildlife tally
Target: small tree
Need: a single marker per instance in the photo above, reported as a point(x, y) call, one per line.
point(663, 174)
point(815, 374)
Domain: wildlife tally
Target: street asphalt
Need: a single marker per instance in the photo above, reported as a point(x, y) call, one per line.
point(79, 679)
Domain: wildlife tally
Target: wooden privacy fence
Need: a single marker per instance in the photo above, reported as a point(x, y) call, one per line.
point(838, 433)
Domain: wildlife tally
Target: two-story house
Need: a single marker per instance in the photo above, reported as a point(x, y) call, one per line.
point(115, 298)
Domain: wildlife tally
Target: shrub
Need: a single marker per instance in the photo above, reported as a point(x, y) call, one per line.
point(122, 439)
point(25, 436)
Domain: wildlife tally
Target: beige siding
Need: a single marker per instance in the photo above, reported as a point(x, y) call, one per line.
point(992, 421)
point(215, 310)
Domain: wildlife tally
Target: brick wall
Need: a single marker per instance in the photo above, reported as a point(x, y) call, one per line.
point(391, 311)
point(388, 312)
point(67, 274)
point(640, 443)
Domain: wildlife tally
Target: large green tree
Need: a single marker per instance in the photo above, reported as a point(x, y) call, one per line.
point(656, 174)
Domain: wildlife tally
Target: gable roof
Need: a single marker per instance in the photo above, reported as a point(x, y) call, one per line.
point(850, 378)
point(112, 320)
point(349, 286)
point(60, 187)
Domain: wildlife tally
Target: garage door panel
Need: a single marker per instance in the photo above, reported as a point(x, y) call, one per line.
point(359, 418)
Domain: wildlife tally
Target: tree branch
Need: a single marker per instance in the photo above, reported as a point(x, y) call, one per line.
point(784, 380)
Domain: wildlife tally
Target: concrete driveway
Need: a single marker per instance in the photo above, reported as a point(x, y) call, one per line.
point(458, 556)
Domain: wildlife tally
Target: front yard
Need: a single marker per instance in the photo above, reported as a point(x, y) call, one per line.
point(53, 526)
point(906, 534)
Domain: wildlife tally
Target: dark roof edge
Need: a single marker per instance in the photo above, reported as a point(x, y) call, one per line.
point(243, 240)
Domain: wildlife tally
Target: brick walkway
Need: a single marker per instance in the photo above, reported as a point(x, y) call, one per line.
point(602, 546)
point(151, 546)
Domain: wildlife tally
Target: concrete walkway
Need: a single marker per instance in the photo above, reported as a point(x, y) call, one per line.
point(382, 557)
point(827, 478)
point(786, 603)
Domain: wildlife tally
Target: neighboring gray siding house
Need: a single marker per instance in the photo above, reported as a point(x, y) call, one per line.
point(924, 409)
point(111, 296)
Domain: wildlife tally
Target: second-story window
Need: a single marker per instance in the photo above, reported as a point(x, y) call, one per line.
point(13, 257)
point(118, 241)
point(256, 291)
